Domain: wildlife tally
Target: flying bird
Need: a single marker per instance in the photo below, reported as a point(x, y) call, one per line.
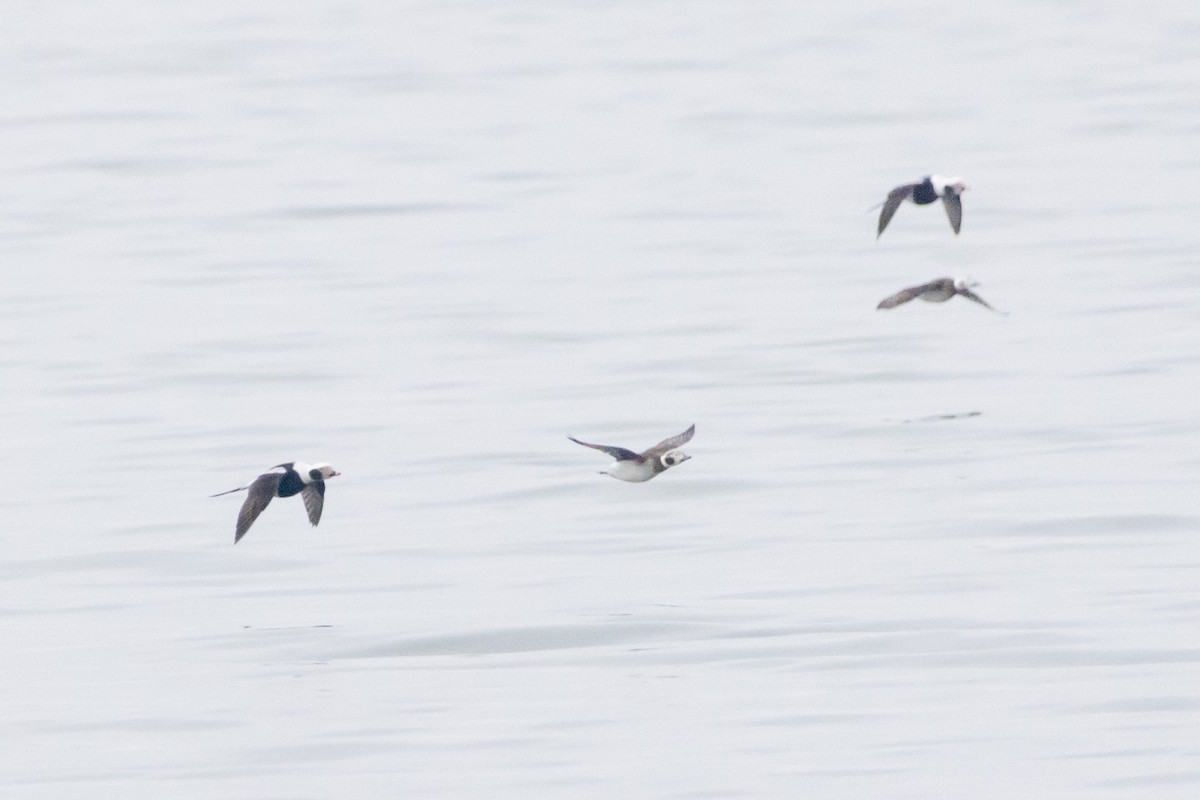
point(306, 480)
point(938, 290)
point(638, 467)
point(924, 193)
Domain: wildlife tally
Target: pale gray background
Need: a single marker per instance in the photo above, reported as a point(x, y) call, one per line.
point(425, 241)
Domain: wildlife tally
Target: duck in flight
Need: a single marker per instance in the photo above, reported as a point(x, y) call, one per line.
point(638, 467)
point(306, 480)
point(923, 193)
point(938, 290)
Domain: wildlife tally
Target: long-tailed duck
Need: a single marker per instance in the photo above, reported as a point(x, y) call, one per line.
point(938, 290)
point(637, 467)
point(306, 480)
point(923, 193)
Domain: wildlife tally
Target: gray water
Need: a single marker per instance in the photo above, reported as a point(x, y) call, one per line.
point(929, 552)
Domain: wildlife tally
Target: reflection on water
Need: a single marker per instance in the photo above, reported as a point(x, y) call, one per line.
point(911, 552)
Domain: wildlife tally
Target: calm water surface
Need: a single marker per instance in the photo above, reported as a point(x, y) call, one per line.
point(934, 552)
